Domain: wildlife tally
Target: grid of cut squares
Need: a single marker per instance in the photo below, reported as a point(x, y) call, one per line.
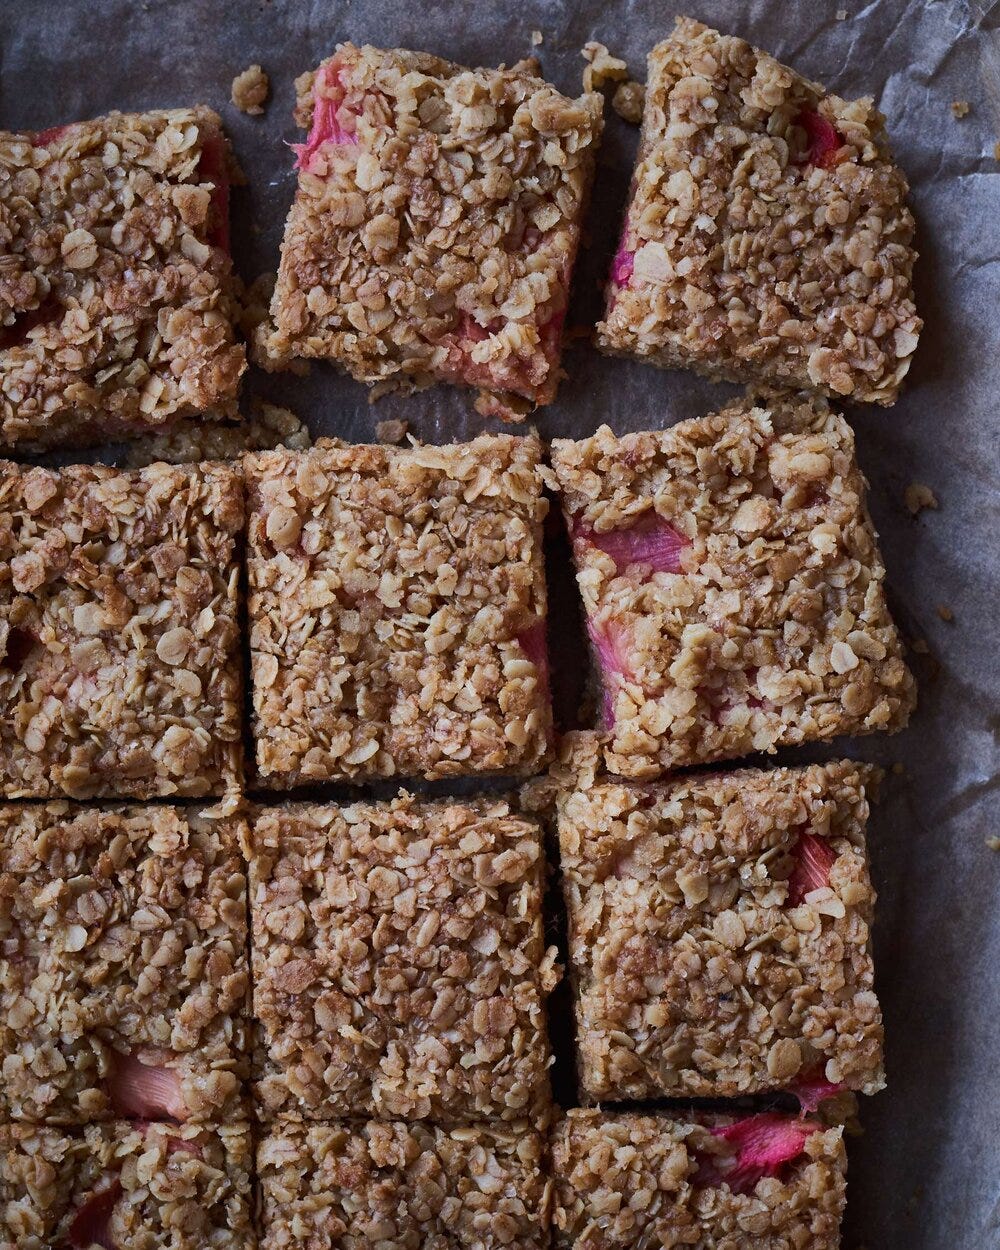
point(123, 967)
point(397, 611)
point(117, 296)
point(119, 648)
point(141, 1185)
point(351, 1187)
point(400, 970)
point(628, 1180)
point(719, 934)
point(767, 237)
point(435, 224)
point(732, 585)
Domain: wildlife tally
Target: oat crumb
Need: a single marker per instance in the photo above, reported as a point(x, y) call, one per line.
point(841, 15)
point(628, 101)
point(996, 151)
point(920, 647)
point(918, 496)
point(898, 769)
point(536, 38)
point(960, 108)
point(601, 67)
point(993, 844)
point(250, 89)
point(392, 431)
point(945, 613)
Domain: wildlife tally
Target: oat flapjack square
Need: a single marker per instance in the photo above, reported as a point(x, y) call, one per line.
point(397, 611)
point(763, 1182)
point(123, 968)
point(435, 224)
point(767, 237)
point(732, 585)
point(719, 933)
point(140, 1185)
point(350, 1187)
point(400, 969)
point(119, 653)
point(117, 295)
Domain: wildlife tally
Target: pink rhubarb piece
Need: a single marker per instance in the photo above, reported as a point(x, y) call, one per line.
point(813, 1088)
point(328, 97)
point(622, 266)
point(814, 857)
point(91, 1225)
point(145, 1091)
point(824, 139)
point(651, 541)
point(764, 1145)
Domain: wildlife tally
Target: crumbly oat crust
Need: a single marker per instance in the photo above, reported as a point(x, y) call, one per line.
point(411, 1187)
point(732, 584)
point(768, 236)
point(399, 961)
point(144, 1186)
point(397, 611)
point(189, 442)
point(122, 941)
point(119, 658)
point(250, 90)
point(117, 297)
point(625, 1181)
point(435, 224)
point(719, 933)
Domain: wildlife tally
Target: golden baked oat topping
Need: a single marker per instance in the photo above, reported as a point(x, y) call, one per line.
point(400, 969)
point(435, 224)
point(117, 296)
point(119, 650)
point(397, 611)
point(719, 935)
point(732, 585)
point(767, 238)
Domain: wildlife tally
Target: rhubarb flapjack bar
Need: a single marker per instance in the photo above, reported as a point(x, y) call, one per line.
point(125, 1186)
point(400, 969)
point(763, 1182)
point(719, 934)
point(435, 224)
point(119, 651)
point(117, 296)
point(732, 585)
point(767, 238)
point(351, 1187)
point(123, 968)
point(397, 611)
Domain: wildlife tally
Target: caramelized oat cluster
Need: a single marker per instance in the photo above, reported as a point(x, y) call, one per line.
point(397, 611)
point(719, 934)
point(767, 238)
point(145, 1186)
point(435, 224)
point(402, 1185)
point(732, 585)
point(117, 297)
point(624, 1181)
point(119, 651)
point(400, 969)
point(123, 979)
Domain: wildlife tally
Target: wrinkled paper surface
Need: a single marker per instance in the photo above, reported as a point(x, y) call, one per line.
point(926, 1174)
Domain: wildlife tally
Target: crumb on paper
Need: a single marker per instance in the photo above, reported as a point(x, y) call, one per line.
point(993, 844)
point(601, 66)
point(629, 100)
point(918, 496)
point(996, 151)
point(536, 38)
point(945, 613)
point(249, 90)
point(919, 645)
point(897, 769)
point(960, 108)
point(841, 15)
point(391, 431)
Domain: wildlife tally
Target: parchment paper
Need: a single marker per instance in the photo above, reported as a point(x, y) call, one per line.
point(926, 1174)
